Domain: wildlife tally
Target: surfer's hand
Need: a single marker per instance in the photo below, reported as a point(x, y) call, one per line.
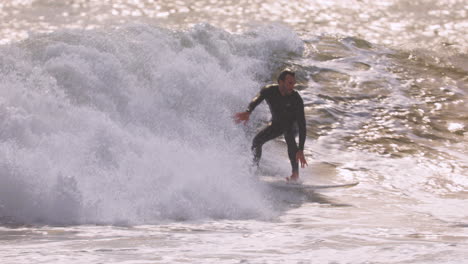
point(242, 117)
point(300, 157)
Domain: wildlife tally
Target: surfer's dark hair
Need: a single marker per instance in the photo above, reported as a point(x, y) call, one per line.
point(282, 75)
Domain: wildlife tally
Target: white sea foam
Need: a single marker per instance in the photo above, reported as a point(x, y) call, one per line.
point(132, 125)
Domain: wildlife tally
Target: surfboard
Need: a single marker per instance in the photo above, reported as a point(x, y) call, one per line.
point(283, 184)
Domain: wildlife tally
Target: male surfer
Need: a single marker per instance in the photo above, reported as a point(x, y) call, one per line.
point(287, 109)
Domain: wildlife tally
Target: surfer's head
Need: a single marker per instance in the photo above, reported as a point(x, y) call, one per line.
point(286, 81)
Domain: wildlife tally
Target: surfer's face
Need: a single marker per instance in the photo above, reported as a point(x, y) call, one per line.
point(287, 85)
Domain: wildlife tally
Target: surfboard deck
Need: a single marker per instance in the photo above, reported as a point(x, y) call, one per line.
point(282, 183)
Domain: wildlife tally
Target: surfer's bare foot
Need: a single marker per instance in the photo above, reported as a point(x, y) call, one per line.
point(294, 177)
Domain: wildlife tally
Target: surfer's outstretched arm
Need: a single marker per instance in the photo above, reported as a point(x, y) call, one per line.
point(244, 116)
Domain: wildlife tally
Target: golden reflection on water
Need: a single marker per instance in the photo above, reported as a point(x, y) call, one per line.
point(396, 22)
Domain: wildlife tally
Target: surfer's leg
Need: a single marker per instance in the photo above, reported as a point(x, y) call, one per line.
point(290, 138)
point(268, 133)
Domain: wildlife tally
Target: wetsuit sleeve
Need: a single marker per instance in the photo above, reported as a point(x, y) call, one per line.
point(256, 101)
point(301, 123)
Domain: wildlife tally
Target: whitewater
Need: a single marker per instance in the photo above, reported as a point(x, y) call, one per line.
point(117, 140)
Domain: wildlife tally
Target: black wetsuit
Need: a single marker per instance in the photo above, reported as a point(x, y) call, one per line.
point(286, 111)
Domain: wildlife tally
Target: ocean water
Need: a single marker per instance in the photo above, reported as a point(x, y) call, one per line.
point(117, 143)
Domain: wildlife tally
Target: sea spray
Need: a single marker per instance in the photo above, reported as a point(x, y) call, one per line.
point(132, 125)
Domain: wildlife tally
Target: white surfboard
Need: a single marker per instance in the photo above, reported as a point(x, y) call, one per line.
point(283, 184)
